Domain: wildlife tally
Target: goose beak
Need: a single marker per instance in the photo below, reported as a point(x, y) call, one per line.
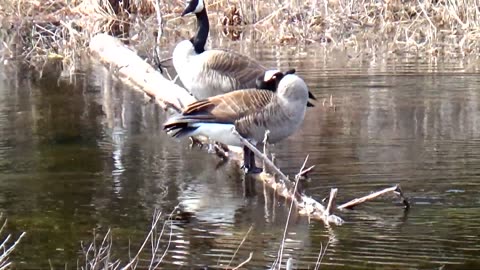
point(190, 7)
point(290, 71)
point(186, 11)
point(311, 96)
point(194, 6)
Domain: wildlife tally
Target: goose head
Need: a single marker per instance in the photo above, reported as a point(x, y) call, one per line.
point(270, 80)
point(292, 88)
point(194, 6)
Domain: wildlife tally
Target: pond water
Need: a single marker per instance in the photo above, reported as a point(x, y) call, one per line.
point(80, 156)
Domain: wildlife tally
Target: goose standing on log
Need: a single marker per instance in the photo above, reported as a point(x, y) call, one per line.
point(251, 112)
point(207, 73)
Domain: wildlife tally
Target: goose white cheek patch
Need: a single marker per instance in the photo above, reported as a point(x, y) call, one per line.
point(199, 7)
point(269, 74)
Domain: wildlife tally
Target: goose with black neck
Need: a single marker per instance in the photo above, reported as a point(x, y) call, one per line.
point(207, 73)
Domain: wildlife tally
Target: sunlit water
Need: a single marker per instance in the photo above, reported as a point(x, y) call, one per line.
point(80, 157)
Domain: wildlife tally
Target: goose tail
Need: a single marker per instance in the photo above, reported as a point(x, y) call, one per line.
point(179, 128)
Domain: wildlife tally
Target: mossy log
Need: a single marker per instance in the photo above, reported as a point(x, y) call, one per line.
point(131, 69)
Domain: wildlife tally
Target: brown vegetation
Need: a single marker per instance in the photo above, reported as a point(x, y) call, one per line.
point(38, 30)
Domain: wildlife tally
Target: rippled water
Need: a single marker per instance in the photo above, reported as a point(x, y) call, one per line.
point(77, 158)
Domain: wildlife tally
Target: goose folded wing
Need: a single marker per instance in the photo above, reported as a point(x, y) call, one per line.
point(233, 66)
point(229, 107)
point(222, 109)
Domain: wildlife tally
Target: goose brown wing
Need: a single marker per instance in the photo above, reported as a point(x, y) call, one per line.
point(239, 68)
point(230, 107)
point(255, 124)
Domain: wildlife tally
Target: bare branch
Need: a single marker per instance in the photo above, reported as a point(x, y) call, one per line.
point(395, 190)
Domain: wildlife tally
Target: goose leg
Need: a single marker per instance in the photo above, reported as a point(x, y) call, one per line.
point(253, 167)
point(249, 162)
point(246, 159)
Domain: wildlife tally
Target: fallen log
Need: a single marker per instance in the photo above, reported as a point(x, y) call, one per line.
point(132, 70)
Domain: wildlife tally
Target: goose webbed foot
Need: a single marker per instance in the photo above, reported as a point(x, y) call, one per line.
point(253, 170)
point(221, 150)
point(195, 142)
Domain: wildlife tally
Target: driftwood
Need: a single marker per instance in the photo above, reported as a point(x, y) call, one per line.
point(134, 71)
point(396, 190)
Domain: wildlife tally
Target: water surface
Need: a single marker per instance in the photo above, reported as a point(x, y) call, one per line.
point(79, 157)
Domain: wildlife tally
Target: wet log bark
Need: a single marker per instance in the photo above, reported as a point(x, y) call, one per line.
point(132, 70)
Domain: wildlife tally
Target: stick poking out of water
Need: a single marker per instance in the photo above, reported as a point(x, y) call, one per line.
point(395, 190)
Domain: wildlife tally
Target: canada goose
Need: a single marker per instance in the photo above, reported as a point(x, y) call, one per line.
point(250, 112)
point(207, 73)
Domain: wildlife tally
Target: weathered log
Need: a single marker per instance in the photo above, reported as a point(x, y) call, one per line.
point(131, 69)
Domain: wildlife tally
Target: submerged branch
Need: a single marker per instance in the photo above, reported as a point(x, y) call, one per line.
point(395, 190)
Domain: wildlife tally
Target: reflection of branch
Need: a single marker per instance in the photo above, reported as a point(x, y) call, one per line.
point(243, 263)
point(241, 243)
point(307, 205)
point(321, 254)
point(282, 246)
point(154, 241)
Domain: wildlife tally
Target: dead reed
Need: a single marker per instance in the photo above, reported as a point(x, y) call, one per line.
point(40, 30)
point(7, 245)
point(98, 254)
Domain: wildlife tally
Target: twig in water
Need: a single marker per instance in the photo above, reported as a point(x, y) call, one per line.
point(241, 243)
point(265, 150)
point(331, 206)
point(306, 171)
point(297, 178)
point(154, 225)
point(321, 254)
point(244, 262)
point(395, 189)
point(99, 256)
point(169, 239)
point(5, 252)
point(289, 265)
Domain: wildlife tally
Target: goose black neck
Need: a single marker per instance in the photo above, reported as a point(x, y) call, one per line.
point(200, 39)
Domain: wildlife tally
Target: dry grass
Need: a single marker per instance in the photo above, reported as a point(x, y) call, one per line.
point(7, 246)
point(40, 30)
point(98, 254)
